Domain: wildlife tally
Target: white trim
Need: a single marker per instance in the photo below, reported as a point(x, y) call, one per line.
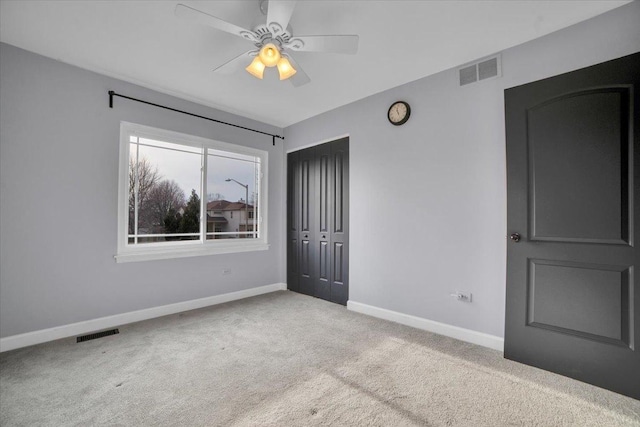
point(313, 144)
point(462, 334)
point(80, 328)
point(198, 249)
point(181, 249)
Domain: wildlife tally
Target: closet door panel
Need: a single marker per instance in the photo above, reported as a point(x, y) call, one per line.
point(339, 235)
point(293, 221)
point(323, 225)
point(318, 221)
point(307, 238)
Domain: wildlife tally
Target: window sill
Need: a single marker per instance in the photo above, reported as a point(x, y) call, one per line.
point(150, 254)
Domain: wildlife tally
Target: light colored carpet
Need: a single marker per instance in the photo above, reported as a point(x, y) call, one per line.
point(285, 359)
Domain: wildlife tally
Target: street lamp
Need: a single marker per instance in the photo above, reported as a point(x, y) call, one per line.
point(246, 204)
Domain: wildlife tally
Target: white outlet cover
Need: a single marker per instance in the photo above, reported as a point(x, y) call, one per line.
point(462, 296)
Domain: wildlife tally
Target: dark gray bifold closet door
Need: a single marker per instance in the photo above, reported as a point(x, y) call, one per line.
point(317, 221)
point(573, 186)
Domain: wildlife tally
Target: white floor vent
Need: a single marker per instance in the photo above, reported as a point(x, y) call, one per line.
point(482, 70)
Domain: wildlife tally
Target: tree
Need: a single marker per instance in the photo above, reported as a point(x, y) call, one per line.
point(190, 221)
point(212, 197)
point(148, 176)
point(165, 199)
point(171, 223)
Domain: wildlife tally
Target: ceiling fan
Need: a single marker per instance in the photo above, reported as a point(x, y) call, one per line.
point(274, 41)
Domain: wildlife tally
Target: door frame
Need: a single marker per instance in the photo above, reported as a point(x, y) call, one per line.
point(313, 144)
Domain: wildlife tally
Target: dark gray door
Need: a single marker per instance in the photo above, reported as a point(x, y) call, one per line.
point(338, 221)
point(305, 252)
point(294, 178)
point(317, 221)
point(572, 160)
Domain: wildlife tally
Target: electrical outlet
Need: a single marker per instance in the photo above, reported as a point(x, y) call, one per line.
point(462, 296)
point(226, 271)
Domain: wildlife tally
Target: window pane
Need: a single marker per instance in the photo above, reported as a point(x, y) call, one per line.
point(166, 238)
point(169, 210)
point(167, 192)
point(232, 199)
point(170, 146)
point(229, 155)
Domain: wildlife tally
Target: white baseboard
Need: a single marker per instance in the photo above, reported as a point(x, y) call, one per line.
point(80, 328)
point(462, 334)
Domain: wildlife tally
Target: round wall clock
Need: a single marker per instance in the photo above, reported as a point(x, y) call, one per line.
point(399, 113)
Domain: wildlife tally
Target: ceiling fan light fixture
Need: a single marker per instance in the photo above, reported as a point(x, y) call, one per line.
point(273, 39)
point(256, 68)
point(285, 69)
point(269, 55)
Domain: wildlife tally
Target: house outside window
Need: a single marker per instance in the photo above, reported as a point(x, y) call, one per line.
point(167, 183)
point(230, 221)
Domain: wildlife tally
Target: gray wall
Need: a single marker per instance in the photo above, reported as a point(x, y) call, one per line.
point(428, 199)
point(58, 212)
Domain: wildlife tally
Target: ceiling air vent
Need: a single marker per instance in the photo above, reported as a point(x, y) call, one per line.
point(481, 70)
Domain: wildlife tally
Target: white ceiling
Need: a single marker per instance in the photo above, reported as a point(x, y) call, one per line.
point(143, 42)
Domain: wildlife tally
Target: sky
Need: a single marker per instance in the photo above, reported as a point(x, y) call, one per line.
point(184, 168)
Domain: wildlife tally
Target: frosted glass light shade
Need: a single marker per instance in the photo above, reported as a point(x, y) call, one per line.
point(269, 55)
point(285, 68)
point(256, 68)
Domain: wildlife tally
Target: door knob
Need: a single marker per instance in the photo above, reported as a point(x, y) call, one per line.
point(515, 237)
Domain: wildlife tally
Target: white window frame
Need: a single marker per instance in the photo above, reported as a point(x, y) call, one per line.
point(201, 247)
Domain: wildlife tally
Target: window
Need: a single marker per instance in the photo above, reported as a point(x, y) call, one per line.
point(174, 188)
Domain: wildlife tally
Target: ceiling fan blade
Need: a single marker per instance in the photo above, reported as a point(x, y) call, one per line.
point(195, 15)
point(300, 77)
point(238, 63)
point(330, 44)
point(278, 14)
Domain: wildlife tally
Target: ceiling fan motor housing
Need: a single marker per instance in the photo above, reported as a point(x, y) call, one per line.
point(266, 35)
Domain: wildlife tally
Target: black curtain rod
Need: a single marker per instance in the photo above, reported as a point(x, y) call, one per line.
point(112, 94)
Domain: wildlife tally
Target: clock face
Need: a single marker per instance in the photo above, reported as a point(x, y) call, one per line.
point(399, 113)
